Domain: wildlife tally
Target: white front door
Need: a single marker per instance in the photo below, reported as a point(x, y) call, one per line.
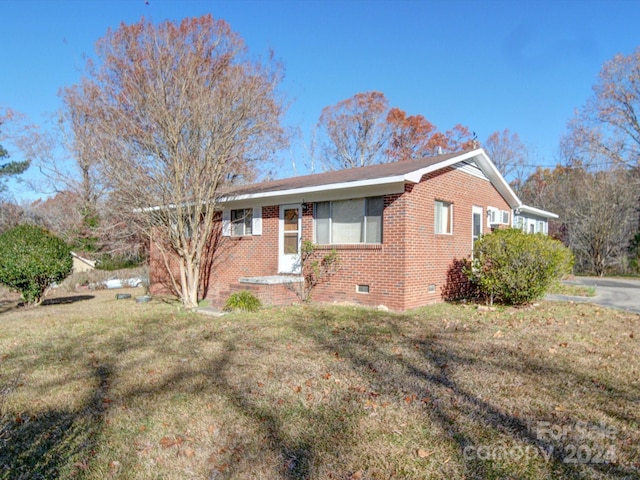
point(476, 224)
point(289, 238)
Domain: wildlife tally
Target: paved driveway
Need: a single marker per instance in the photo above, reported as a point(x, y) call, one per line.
point(621, 294)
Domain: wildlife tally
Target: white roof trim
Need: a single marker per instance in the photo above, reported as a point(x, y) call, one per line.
point(479, 157)
point(416, 175)
point(537, 211)
point(318, 188)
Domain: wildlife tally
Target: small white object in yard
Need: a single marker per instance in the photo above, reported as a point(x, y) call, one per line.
point(383, 308)
point(122, 283)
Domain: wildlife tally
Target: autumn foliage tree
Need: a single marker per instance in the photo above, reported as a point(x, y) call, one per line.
point(413, 136)
point(362, 130)
point(178, 111)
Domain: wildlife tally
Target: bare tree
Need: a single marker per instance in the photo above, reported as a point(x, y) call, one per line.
point(510, 156)
point(600, 218)
point(353, 133)
point(604, 137)
point(607, 129)
point(597, 212)
point(179, 111)
point(8, 168)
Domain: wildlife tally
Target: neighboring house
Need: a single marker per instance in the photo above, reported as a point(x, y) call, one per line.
point(81, 264)
point(398, 229)
point(532, 220)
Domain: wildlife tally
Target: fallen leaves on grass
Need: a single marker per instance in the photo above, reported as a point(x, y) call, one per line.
point(422, 453)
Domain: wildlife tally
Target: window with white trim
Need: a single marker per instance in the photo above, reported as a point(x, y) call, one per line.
point(241, 222)
point(349, 221)
point(443, 213)
point(496, 216)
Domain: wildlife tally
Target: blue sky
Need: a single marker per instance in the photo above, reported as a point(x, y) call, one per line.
point(524, 65)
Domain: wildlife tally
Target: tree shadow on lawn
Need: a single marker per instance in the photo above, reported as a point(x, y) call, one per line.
point(296, 453)
point(66, 300)
point(299, 453)
point(55, 443)
point(10, 305)
point(470, 420)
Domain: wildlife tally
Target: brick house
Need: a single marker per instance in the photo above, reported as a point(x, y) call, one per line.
point(397, 228)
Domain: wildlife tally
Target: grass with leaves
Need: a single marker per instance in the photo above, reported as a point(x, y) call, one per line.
point(92, 387)
point(572, 290)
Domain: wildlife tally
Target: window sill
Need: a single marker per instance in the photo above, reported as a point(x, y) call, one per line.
point(349, 246)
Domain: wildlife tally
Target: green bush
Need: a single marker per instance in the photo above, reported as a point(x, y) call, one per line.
point(515, 268)
point(244, 301)
point(31, 259)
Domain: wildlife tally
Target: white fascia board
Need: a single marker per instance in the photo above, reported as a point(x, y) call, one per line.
point(416, 176)
point(396, 180)
point(496, 178)
point(484, 163)
point(377, 186)
point(537, 211)
point(334, 191)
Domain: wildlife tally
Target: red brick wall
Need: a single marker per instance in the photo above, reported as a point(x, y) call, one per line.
point(412, 256)
point(398, 272)
point(430, 255)
point(380, 267)
point(247, 256)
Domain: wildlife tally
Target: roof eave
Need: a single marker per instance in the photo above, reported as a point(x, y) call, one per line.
point(393, 179)
point(496, 178)
point(538, 211)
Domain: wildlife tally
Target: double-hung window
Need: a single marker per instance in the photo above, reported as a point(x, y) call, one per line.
point(443, 213)
point(349, 221)
point(241, 222)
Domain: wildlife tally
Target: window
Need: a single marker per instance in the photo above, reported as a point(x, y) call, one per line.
point(349, 221)
point(519, 222)
point(443, 213)
point(497, 217)
point(476, 223)
point(492, 215)
point(241, 222)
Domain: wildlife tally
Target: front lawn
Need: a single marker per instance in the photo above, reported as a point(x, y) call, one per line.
point(93, 387)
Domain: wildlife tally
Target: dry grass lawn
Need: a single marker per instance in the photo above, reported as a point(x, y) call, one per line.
point(95, 388)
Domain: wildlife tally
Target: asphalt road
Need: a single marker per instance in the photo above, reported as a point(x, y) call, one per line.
point(621, 294)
